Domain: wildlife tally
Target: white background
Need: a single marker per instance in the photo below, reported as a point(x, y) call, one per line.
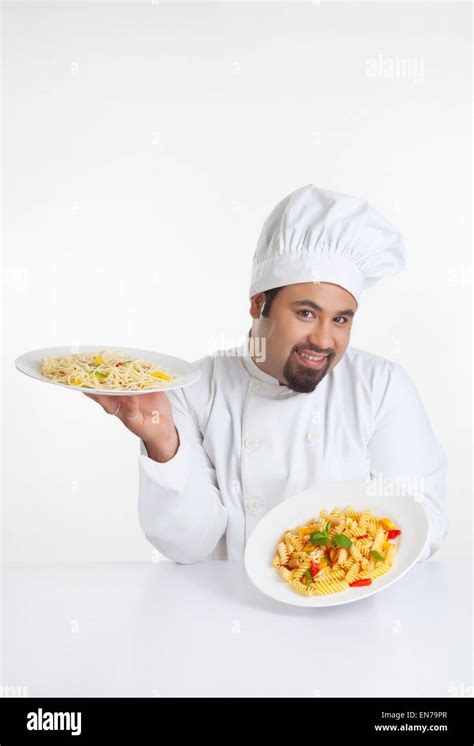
point(143, 147)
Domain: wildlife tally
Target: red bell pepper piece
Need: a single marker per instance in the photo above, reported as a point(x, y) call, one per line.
point(314, 568)
point(364, 536)
point(393, 534)
point(358, 583)
point(335, 558)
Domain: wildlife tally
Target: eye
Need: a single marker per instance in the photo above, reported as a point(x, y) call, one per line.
point(306, 311)
point(344, 319)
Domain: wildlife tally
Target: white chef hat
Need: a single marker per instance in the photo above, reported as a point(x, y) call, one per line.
point(315, 235)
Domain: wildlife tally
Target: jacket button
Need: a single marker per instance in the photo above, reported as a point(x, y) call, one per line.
point(255, 385)
point(254, 505)
point(249, 443)
point(312, 437)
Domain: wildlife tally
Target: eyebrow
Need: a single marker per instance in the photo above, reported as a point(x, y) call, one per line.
point(312, 304)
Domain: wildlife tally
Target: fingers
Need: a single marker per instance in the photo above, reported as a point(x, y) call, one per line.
point(130, 408)
point(109, 404)
point(154, 403)
point(91, 396)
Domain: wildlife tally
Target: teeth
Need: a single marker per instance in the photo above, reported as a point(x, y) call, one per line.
point(312, 357)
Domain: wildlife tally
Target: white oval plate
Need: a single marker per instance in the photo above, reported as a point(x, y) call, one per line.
point(406, 512)
point(29, 364)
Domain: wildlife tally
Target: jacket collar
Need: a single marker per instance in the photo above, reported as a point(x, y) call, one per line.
point(253, 370)
point(256, 372)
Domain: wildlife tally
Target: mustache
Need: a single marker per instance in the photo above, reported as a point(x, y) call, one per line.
point(313, 348)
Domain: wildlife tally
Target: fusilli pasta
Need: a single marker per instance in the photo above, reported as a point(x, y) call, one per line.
point(342, 549)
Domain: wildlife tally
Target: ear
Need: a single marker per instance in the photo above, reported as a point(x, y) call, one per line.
point(257, 303)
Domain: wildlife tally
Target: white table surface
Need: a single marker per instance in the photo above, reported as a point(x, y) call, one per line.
point(137, 629)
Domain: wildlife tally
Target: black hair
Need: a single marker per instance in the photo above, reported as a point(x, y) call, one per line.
point(269, 298)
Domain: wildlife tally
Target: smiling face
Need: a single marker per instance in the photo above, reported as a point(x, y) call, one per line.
point(306, 331)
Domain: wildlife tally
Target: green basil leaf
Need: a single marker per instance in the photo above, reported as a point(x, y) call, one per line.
point(341, 540)
point(319, 539)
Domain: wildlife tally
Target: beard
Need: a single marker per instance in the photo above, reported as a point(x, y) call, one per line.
point(302, 378)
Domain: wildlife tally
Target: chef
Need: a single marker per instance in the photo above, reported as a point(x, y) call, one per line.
point(295, 404)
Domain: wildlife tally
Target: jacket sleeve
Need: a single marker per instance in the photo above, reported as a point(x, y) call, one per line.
point(179, 504)
point(403, 447)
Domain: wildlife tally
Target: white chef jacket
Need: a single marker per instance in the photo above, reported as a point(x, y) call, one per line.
point(248, 442)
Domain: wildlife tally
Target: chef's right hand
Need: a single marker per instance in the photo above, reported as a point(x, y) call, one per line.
point(149, 416)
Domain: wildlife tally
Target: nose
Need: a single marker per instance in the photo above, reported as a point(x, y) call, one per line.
point(321, 338)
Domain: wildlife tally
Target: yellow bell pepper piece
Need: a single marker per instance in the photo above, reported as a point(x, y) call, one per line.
point(75, 382)
point(99, 359)
point(387, 524)
point(158, 374)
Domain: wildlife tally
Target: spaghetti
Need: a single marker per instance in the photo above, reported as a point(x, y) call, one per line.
point(105, 370)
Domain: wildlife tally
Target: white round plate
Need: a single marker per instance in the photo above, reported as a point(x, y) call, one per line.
point(29, 364)
point(405, 511)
